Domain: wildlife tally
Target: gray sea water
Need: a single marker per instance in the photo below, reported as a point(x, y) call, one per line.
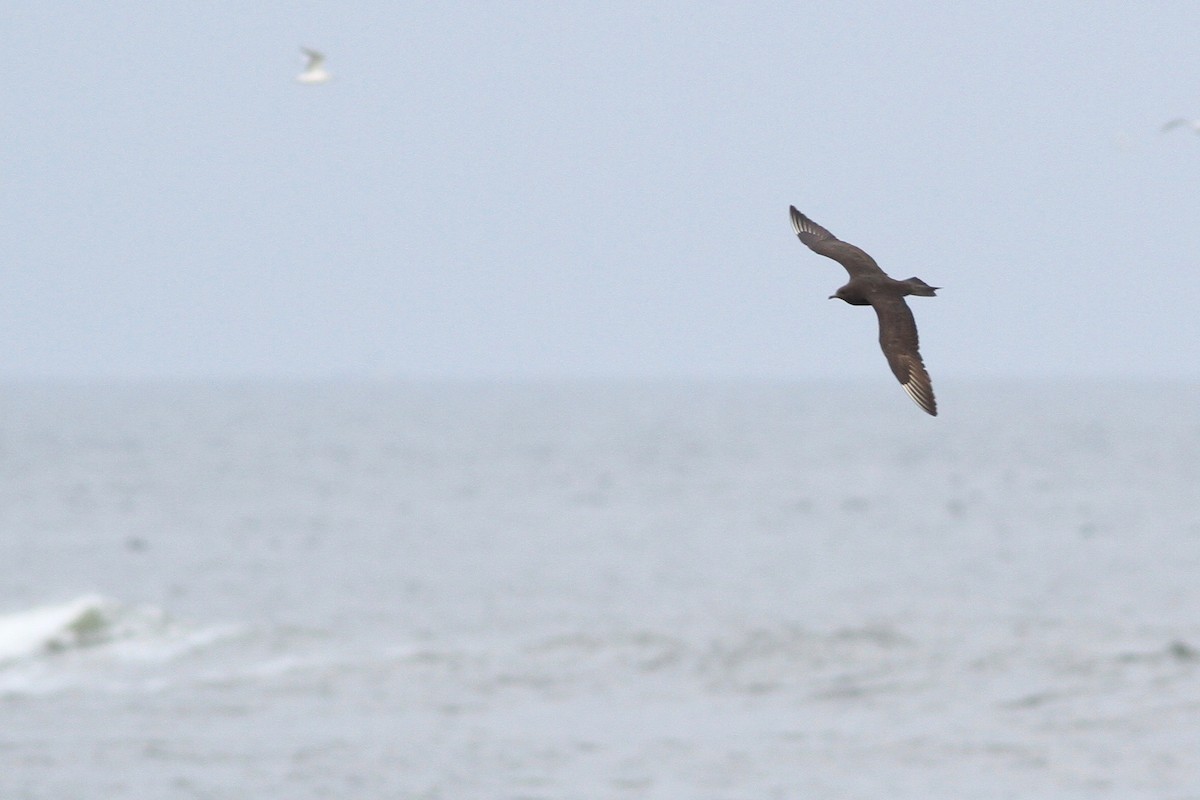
point(599, 591)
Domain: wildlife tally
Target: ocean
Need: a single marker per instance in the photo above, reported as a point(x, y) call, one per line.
point(599, 590)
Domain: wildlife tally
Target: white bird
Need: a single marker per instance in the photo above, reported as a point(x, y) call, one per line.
point(1194, 124)
point(314, 70)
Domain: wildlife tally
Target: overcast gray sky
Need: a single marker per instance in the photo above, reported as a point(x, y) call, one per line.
point(570, 190)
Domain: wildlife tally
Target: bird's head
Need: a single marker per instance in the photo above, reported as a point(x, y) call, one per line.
point(851, 295)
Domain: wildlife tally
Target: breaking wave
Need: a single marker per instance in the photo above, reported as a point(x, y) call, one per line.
point(47, 647)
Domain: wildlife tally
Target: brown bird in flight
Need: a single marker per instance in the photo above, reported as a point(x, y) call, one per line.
point(870, 286)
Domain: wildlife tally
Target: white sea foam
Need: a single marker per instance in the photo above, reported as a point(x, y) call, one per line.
point(41, 630)
point(57, 645)
point(88, 621)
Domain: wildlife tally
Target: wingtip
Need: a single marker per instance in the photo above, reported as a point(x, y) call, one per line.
point(798, 220)
point(928, 405)
point(922, 395)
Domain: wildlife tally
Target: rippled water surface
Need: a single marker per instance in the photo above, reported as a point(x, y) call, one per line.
point(599, 591)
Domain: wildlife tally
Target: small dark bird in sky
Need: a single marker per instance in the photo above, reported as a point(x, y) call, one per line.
point(870, 286)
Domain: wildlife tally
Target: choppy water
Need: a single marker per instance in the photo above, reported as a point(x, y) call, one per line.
point(599, 591)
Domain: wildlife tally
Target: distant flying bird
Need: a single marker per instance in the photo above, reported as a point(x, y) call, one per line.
point(314, 70)
point(1194, 124)
point(870, 286)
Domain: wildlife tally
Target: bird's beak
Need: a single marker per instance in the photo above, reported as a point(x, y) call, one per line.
point(833, 297)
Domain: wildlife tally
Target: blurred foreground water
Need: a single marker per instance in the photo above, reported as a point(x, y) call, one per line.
point(599, 591)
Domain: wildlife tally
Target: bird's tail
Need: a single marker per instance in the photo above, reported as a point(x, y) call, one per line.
point(920, 288)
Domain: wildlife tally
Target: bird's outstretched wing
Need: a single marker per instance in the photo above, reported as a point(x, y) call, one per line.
point(821, 241)
point(315, 58)
point(898, 338)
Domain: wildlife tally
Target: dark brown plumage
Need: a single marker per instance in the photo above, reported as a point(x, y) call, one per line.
point(870, 286)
